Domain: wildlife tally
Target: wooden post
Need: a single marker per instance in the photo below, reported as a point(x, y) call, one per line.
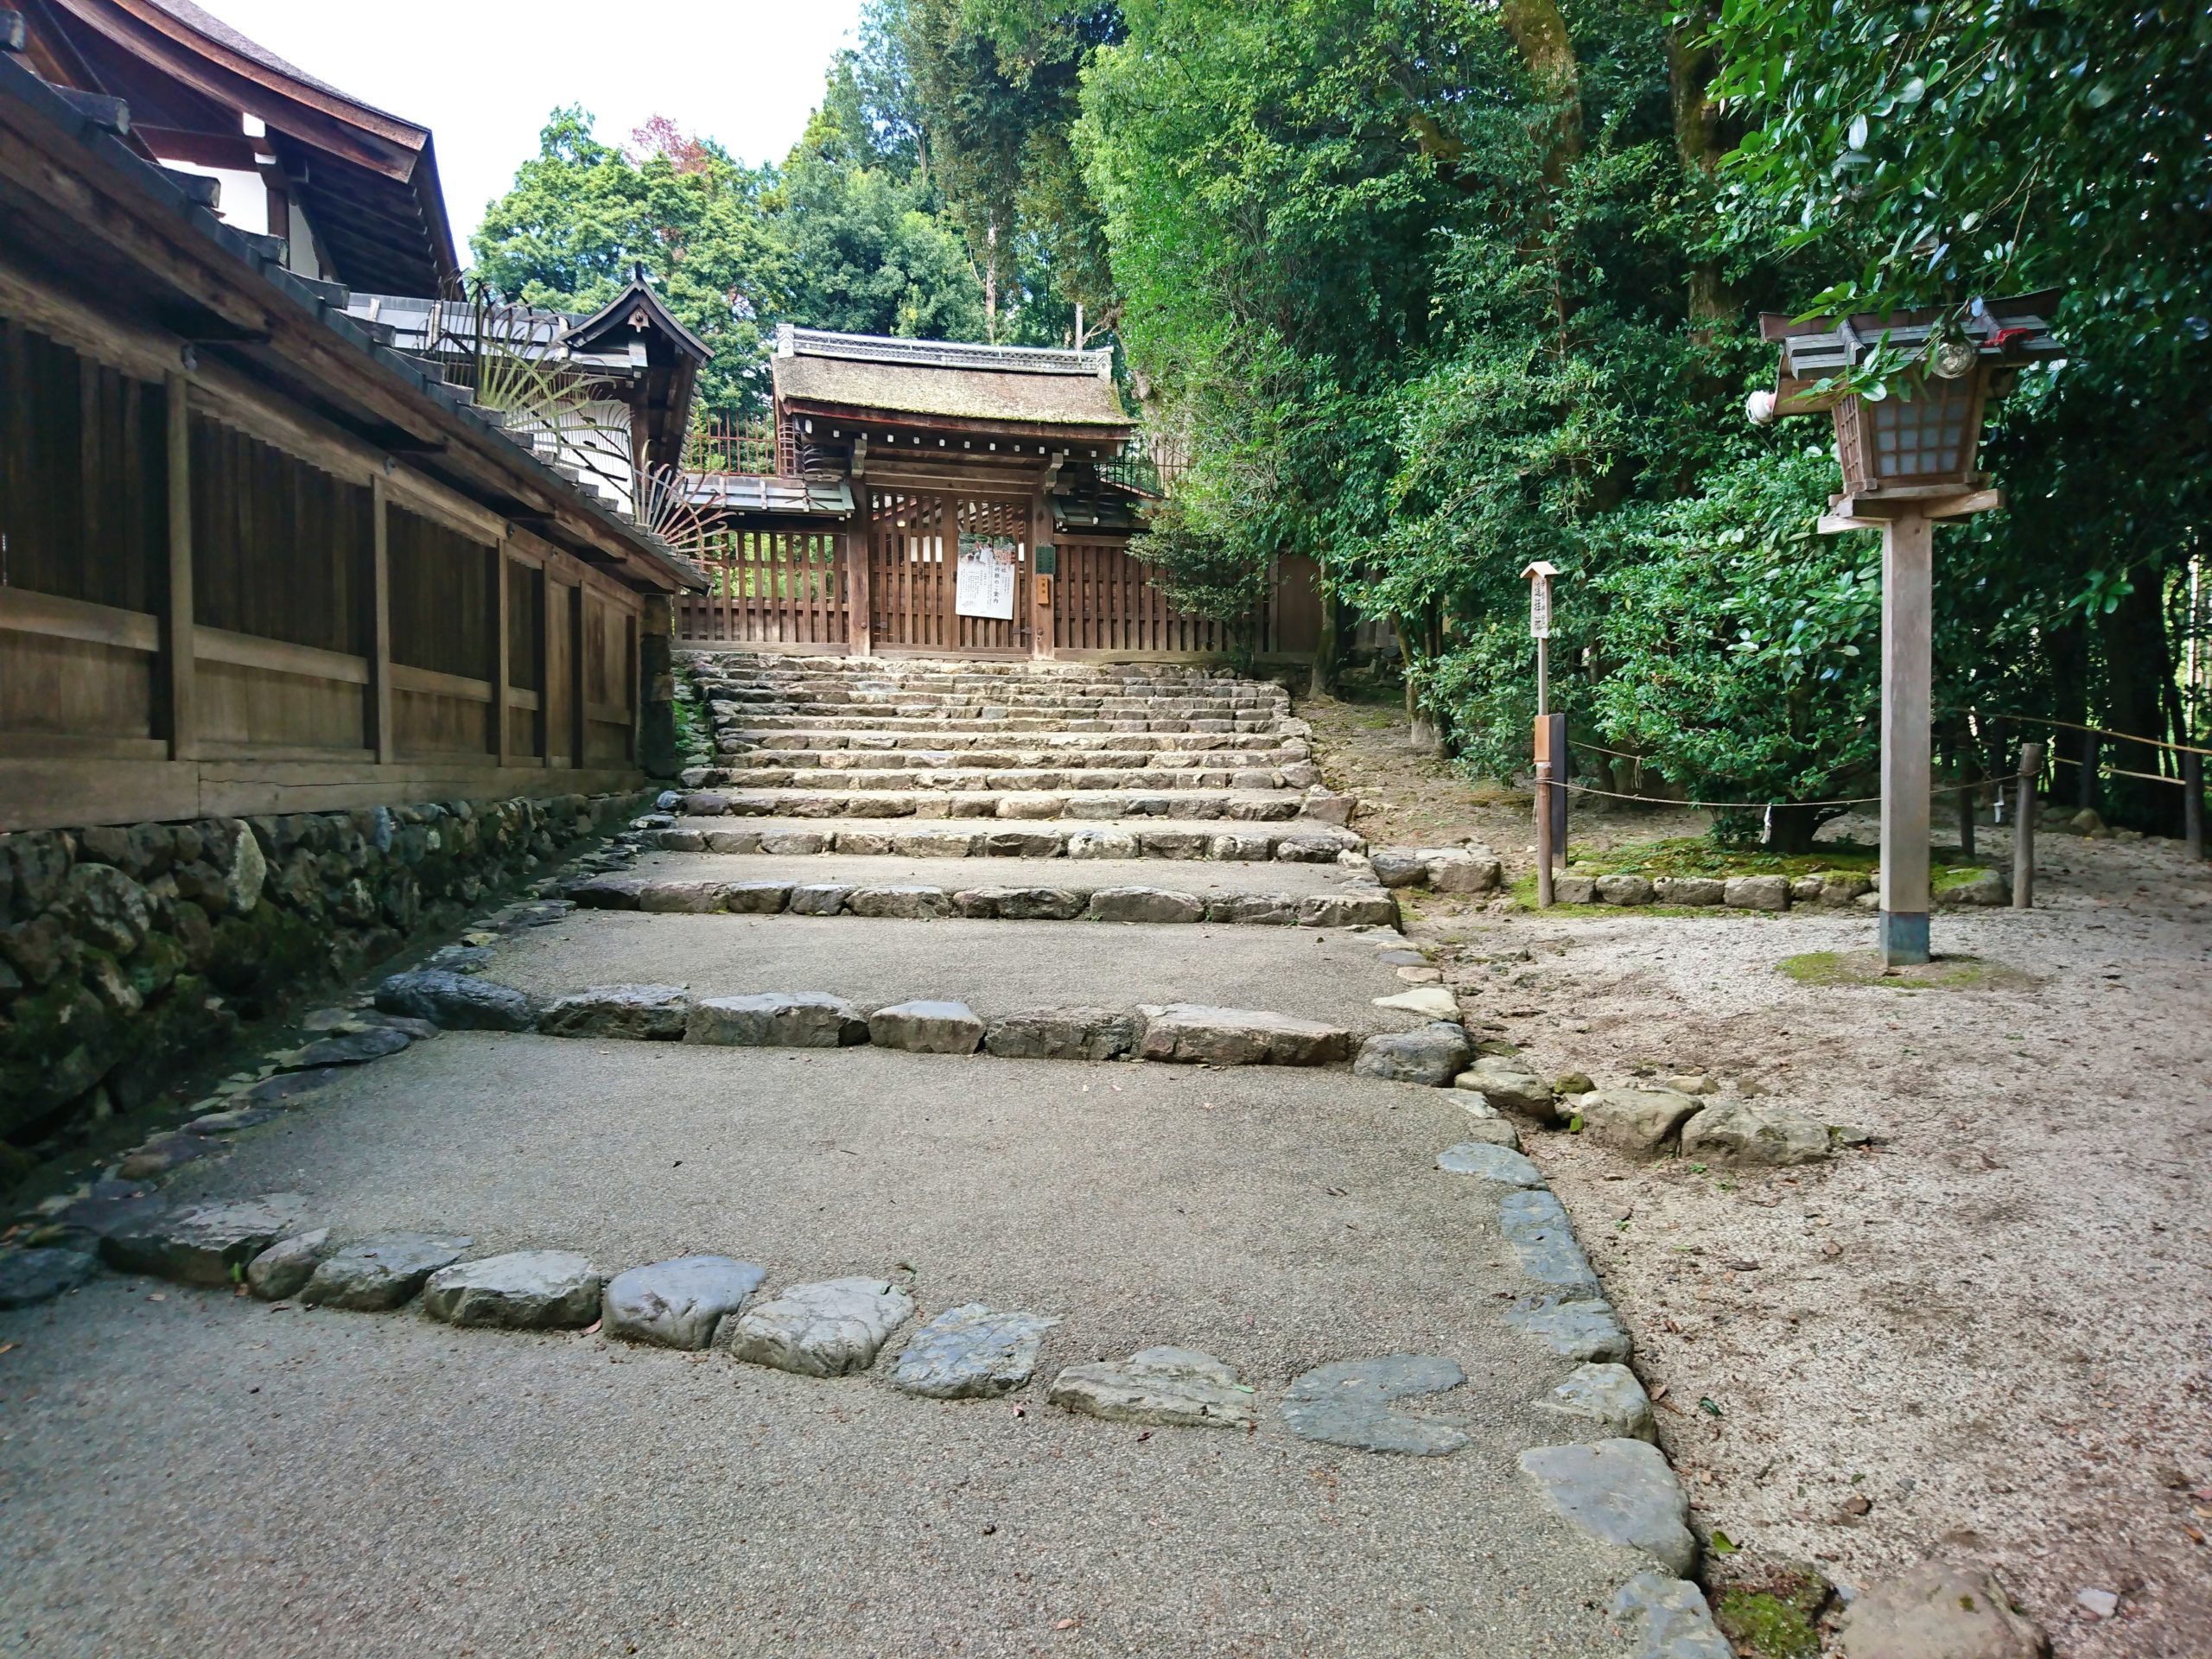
point(2192, 801)
point(381, 737)
point(548, 590)
point(1544, 848)
point(502, 663)
point(2023, 829)
point(1907, 668)
point(176, 610)
point(577, 719)
point(853, 546)
point(2087, 783)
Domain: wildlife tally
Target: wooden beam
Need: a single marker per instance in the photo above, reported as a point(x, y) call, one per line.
point(381, 737)
point(24, 612)
point(279, 656)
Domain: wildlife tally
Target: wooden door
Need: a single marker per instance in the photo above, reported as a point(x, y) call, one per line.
point(913, 553)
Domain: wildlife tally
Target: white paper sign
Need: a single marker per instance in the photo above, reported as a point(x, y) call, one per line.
point(984, 583)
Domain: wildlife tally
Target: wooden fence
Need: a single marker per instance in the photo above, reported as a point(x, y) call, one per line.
point(266, 632)
point(808, 591)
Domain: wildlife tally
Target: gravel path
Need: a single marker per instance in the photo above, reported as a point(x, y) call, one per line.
point(1994, 1331)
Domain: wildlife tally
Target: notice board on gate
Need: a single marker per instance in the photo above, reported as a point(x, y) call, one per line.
point(984, 583)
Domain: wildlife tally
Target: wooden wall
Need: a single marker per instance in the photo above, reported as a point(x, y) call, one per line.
point(200, 615)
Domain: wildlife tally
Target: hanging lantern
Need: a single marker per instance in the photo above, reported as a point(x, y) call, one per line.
point(1919, 433)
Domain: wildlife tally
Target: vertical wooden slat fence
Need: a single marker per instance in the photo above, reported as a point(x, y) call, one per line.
point(782, 588)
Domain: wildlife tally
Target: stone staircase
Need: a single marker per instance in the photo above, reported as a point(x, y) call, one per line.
point(1075, 746)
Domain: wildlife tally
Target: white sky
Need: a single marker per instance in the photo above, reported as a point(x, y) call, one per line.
point(483, 77)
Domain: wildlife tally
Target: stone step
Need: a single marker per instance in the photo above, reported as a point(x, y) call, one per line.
point(897, 889)
point(994, 966)
point(911, 707)
point(1247, 806)
point(774, 719)
point(1016, 779)
point(1125, 748)
point(1300, 840)
point(1062, 758)
point(995, 690)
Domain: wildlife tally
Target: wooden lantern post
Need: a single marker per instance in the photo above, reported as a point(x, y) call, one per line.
point(1907, 445)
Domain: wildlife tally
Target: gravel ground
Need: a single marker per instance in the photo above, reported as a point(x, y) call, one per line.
point(1995, 1329)
point(190, 1473)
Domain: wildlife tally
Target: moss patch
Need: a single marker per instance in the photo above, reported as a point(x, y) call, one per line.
point(1865, 968)
point(1767, 1625)
point(1769, 1608)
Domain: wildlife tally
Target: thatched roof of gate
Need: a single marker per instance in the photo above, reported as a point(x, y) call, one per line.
point(860, 374)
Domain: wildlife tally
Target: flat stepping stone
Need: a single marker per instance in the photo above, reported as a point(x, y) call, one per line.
point(971, 1352)
point(776, 1020)
point(642, 1013)
point(1431, 1001)
point(828, 1329)
point(1432, 1055)
point(378, 1273)
point(29, 1277)
point(926, 1028)
point(677, 1303)
point(1491, 1163)
point(1063, 1034)
point(1606, 1397)
point(288, 1087)
point(1348, 1403)
point(1669, 1618)
point(1620, 1491)
point(522, 1290)
point(1583, 1329)
point(458, 1001)
point(1193, 1032)
point(200, 1244)
point(358, 1049)
point(286, 1266)
point(1534, 1224)
point(1176, 1387)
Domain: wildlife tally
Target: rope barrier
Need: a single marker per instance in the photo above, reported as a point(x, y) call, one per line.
point(1751, 806)
point(2120, 772)
point(2118, 737)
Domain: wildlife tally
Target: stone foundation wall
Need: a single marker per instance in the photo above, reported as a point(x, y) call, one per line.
point(125, 949)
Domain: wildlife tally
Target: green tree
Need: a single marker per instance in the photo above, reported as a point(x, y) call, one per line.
point(865, 253)
point(583, 214)
point(1745, 647)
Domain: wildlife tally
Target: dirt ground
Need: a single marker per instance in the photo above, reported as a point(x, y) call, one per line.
point(1987, 1338)
point(1415, 800)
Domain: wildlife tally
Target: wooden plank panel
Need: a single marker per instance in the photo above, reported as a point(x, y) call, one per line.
point(77, 687)
point(242, 704)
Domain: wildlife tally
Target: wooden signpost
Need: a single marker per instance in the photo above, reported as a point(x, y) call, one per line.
point(1908, 392)
point(1550, 748)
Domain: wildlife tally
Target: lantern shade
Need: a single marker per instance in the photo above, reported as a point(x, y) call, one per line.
point(1926, 432)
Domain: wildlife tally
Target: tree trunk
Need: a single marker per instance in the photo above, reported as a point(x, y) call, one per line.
point(2138, 671)
point(1327, 650)
point(1538, 31)
point(1699, 145)
point(1790, 828)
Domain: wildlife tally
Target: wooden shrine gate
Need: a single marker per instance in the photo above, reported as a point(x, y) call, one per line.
point(913, 541)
